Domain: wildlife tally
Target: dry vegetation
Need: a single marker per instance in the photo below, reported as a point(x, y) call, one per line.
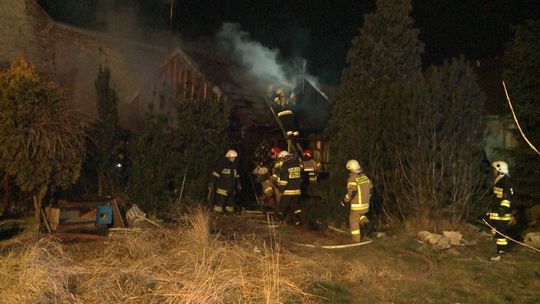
point(240, 260)
point(182, 264)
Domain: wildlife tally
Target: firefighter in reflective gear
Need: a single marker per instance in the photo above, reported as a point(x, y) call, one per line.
point(226, 181)
point(358, 195)
point(263, 175)
point(275, 174)
point(283, 105)
point(311, 167)
point(500, 212)
point(290, 183)
point(269, 185)
point(274, 152)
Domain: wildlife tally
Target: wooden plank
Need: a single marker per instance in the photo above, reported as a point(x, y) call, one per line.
point(117, 216)
point(63, 204)
point(74, 227)
point(53, 215)
point(89, 215)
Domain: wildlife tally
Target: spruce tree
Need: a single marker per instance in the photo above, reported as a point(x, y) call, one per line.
point(386, 51)
point(202, 130)
point(105, 136)
point(156, 164)
point(522, 75)
point(439, 153)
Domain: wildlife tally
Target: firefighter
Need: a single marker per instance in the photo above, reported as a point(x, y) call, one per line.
point(311, 167)
point(263, 174)
point(275, 173)
point(290, 183)
point(269, 188)
point(283, 105)
point(226, 182)
point(500, 213)
point(358, 195)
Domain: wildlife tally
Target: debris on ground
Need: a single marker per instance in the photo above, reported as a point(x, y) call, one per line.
point(532, 239)
point(135, 215)
point(445, 241)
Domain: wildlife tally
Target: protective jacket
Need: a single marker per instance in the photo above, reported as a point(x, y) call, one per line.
point(286, 116)
point(358, 192)
point(311, 167)
point(290, 176)
point(500, 209)
point(226, 177)
point(500, 213)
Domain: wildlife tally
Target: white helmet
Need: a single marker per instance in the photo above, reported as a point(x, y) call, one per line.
point(354, 166)
point(500, 166)
point(283, 154)
point(231, 154)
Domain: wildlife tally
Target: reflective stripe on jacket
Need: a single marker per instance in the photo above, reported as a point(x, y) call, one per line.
point(290, 176)
point(358, 192)
point(500, 210)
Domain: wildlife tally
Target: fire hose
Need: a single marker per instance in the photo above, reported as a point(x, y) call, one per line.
point(511, 239)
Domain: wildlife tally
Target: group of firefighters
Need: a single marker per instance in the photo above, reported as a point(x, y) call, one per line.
point(285, 176)
point(284, 179)
point(283, 182)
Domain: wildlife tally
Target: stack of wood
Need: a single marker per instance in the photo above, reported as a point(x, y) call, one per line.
point(69, 216)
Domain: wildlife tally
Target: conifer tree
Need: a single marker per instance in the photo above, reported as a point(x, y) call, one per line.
point(156, 163)
point(439, 154)
point(105, 135)
point(202, 129)
point(522, 75)
point(386, 51)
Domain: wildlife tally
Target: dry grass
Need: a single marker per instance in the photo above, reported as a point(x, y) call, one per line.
point(181, 264)
point(38, 273)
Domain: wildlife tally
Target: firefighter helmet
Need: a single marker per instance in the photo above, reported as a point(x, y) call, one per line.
point(354, 166)
point(275, 150)
point(283, 154)
point(231, 154)
point(500, 166)
point(308, 153)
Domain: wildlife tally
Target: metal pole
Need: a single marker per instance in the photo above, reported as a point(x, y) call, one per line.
point(182, 189)
point(171, 15)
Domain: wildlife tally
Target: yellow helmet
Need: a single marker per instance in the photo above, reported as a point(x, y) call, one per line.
point(283, 154)
point(354, 166)
point(231, 154)
point(500, 166)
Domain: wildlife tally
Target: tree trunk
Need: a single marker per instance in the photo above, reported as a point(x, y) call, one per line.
point(38, 198)
point(6, 193)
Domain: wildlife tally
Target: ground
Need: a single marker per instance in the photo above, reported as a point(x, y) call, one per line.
point(245, 259)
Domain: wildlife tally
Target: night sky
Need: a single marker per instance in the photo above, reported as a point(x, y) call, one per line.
point(321, 31)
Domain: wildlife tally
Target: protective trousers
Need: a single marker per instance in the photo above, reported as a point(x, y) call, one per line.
point(355, 219)
point(291, 209)
point(501, 241)
point(223, 202)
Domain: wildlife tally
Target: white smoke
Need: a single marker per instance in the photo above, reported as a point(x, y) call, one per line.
point(261, 61)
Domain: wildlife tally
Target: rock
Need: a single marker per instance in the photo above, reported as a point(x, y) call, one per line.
point(532, 239)
point(436, 240)
point(454, 236)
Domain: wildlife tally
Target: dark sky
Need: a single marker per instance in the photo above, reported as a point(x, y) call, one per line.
point(321, 31)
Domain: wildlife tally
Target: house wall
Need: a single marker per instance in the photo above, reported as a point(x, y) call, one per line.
point(71, 57)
